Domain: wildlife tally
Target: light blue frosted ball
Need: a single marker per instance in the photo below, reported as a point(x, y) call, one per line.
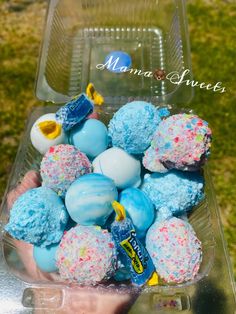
point(139, 208)
point(45, 257)
point(89, 198)
point(133, 125)
point(90, 137)
point(38, 217)
point(175, 191)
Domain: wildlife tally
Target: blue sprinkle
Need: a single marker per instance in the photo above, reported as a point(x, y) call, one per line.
point(168, 145)
point(163, 112)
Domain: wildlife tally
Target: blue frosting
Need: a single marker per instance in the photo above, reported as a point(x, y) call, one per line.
point(90, 137)
point(139, 208)
point(38, 217)
point(45, 258)
point(88, 200)
point(163, 213)
point(176, 191)
point(133, 125)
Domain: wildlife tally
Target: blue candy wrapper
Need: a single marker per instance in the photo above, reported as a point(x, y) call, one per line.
point(74, 112)
point(132, 252)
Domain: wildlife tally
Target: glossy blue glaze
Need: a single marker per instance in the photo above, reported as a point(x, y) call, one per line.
point(90, 137)
point(139, 208)
point(39, 217)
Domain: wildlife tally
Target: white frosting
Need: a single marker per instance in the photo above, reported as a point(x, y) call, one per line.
point(118, 165)
point(40, 141)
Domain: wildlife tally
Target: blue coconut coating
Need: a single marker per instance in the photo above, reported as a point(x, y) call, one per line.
point(133, 125)
point(162, 214)
point(38, 217)
point(176, 190)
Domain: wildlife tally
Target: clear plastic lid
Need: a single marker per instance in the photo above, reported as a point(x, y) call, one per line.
point(80, 34)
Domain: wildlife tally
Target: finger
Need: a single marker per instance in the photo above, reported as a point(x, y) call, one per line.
point(31, 180)
point(25, 252)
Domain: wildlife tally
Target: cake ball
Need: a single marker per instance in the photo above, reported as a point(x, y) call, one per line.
point(90, 137)
point(175, 250)
point(162, 214)
point(88, 199)
point(46, 132)
point(86, 254)
point(38, 217)
point(45, 257)
point(182, 141)
point(139, 208)
point(133, 125)
point(118, 165)
point(175, 190)
point(61, 165)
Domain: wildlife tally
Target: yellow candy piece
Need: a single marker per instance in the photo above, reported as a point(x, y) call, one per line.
point(153, 281)
point(50, 129)
point(94, 95)
point(120, 211)
point(83, 251)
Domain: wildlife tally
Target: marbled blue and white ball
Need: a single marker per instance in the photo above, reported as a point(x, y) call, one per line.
point(90, 137)
point(178, 191)
point(45, 258)
point(38, 217)
point(133, 125)
point(139, 208)
point(88, 200)
point(121, 167)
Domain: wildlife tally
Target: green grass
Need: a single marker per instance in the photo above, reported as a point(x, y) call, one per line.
point(212, 27)
point(212, 33)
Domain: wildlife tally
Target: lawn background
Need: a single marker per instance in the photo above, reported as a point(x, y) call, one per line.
point(212, 26)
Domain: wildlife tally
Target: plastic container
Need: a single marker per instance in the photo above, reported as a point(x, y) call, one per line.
point(78, 36)
point(80, 33)
point(214, 278)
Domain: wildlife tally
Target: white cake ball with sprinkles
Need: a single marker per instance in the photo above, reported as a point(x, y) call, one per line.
point(86, 254)
point(175, 250)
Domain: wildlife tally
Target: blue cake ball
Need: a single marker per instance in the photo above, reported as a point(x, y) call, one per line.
point(133, 125)
point(176, 190)
point(38, 217)
point(90, 137)
point(45, 257)
point(139, 208)
point(89, 198)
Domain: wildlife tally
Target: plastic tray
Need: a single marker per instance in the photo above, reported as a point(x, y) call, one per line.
point(214, 275)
